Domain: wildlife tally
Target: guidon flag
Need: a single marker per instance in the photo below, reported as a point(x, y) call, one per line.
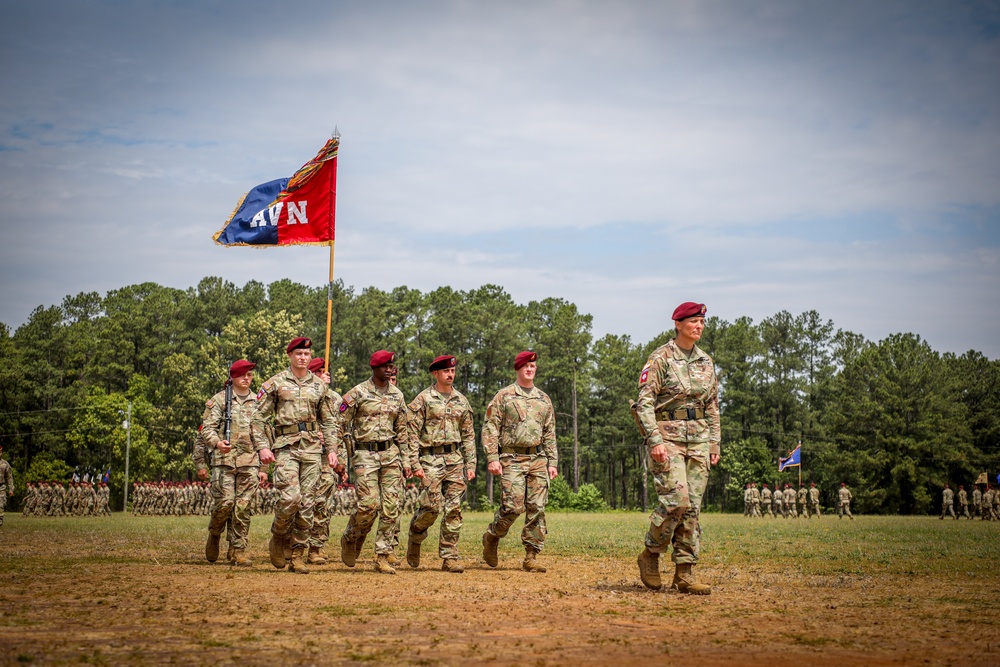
point(793, 459)
point(288, 211)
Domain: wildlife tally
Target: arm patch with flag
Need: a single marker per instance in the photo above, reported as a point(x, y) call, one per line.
point(288, 211)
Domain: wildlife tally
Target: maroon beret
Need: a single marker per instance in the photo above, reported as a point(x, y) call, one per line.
point(300, 342)
point(524, 357)
point(241, 367)
point(443, 362)
point(316, 365)
point(689, 309)
point(381, 358)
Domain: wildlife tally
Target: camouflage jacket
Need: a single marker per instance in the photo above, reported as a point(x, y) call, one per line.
point(963, 497)
point(803, 495)
point(673, 380)
point(813, 494)
point(754, 494)
point(844, 495)
point(287, 402)
point(977, 497)
point(519, 417)
point(243, 452)
point(6, 475)
point(790, 497)
point(948, 497)
point(765, 495)
point(370, 414)
point(441, 419)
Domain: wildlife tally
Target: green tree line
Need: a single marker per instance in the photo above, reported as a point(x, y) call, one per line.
point(895, 419)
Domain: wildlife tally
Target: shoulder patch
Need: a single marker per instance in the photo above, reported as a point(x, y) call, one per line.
point(644, 375)
point(209, 403)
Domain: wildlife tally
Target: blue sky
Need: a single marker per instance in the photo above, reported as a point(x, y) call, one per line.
point(626, 156)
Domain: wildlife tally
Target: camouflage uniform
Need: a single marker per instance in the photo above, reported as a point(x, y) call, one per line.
point(374, 419)
point(789, 498)
point(948, 503)
point(803, 501)
point(814, 501)
point(520, 433)
point(679, 407)
point(755, 501)
point(986, 504)
point(963, 503)
point(234, 474)
point(977, 500)
point(747, 504)
point(778, 503)
point(299, 409)
point(844, 502)
point(443, 446)
point(322, 492)
point(6, 485)
point(765, 500)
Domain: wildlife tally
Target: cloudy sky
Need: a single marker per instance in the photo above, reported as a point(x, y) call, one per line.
point(626, 156)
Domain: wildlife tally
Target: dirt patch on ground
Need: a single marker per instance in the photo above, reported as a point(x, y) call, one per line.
point(79, 597)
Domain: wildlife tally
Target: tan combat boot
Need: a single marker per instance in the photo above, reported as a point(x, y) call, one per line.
point(230, 552)
point(316, 556)
point(530, 564)
point(240, 558)
point(413, 553)
point(382, 565)
point(684, 581)
point(298, 563)
point(490, 544)
point(391, 557)
point(276, 550)
point(649, 570)
point(347, 554)
point(453, 565)
point(212, 548)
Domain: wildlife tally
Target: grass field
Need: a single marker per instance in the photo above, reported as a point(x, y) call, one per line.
point(877, 590)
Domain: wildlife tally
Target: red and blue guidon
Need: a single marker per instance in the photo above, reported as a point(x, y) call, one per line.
point(300, 210)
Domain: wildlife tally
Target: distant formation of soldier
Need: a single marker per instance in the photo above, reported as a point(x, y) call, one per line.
point(786, 503)
point(73, 499)
point(984, 503)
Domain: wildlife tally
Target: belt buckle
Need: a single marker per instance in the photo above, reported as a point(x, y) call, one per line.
point(302, 427)
point(692, 413)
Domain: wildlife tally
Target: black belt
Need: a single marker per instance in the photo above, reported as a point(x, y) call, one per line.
point(681, 414)
point(521, 450)
point(288, 429)
point(440, 449)
point(374, 446)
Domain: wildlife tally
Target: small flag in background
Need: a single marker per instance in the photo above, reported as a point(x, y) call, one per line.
point(793, 459)
point(288, 211)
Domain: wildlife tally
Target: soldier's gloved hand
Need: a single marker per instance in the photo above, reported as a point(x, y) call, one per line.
point(266, 456)
point(224, 446)
point(494, 468)
point(202, 473)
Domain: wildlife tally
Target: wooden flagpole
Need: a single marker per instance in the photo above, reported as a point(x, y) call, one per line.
point(329, 286)
point(329, 312)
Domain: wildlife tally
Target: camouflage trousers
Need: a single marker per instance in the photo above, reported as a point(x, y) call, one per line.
point(755, 508)
point(815, 509)
point(844, 508)
point(3, 502)
point(964, 511)
point(442, 489)
point(680, 484)
point(327, 482)
point(524, 490)
point(948, 509)
point(232, 493)
point(379, 487)
point(295, 474)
